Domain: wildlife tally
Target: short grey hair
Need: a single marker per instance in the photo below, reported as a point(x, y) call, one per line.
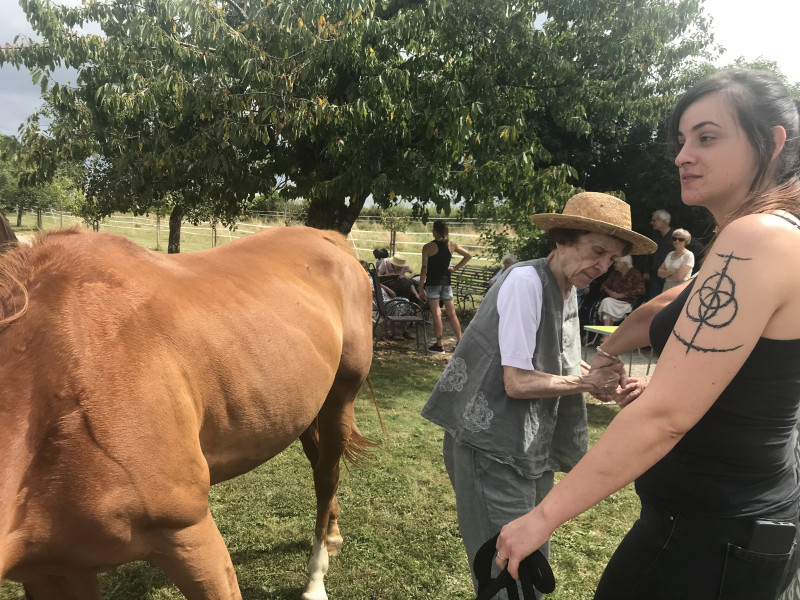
point(508, 260)
point(662, 214)
point(626, 259)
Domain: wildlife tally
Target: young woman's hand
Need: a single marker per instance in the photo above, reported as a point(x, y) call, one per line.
point(627, 394)
point(519, 539)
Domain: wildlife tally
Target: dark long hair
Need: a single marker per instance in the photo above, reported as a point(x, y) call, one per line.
point(441, 228)
point(760, 101)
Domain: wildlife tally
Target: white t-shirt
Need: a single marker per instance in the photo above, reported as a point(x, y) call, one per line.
point(673, 262)
point(519, 305)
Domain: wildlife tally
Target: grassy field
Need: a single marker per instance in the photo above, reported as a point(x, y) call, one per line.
point(401, 538)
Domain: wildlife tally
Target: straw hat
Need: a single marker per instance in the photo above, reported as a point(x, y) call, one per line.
point(398, 261)
point(598, 213)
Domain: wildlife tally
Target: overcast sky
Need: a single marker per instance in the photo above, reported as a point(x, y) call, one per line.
point(748, 28)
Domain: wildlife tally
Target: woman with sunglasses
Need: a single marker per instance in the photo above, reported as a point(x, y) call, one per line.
point(677, 266)
point(710, 441)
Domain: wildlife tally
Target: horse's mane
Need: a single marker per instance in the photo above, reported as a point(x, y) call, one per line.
point(18, 265)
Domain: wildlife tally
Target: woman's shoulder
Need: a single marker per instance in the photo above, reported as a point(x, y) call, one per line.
point(764, 229)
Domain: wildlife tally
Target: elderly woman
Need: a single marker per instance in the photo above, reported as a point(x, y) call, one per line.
point(677, 266)
point(624, 286)
point(397, 275)
point(710, 439)
point(511, 398)
point(396, 265)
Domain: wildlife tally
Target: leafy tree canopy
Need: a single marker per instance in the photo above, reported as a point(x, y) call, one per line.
point(486, 102)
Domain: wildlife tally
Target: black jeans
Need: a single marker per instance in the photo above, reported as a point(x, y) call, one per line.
point(668, 556)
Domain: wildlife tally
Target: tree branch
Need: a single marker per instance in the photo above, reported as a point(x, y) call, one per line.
point(395, 7)
point(239, 9)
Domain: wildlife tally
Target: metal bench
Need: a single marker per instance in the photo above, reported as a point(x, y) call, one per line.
point(470, 284)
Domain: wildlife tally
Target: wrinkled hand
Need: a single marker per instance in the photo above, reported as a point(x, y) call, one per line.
point(627, 394)
point(604, 380)
point(600, 361)
point(520, 538)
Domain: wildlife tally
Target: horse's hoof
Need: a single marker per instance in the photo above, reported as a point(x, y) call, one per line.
point(314, 594)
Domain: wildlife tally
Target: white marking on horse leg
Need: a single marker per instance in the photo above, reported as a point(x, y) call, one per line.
point(317, 568)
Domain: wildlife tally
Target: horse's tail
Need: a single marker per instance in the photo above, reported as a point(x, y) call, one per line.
point(359, 446)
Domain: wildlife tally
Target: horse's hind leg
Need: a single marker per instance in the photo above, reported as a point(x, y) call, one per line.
point(310, 441)
point(196, 560)
point(334, 426)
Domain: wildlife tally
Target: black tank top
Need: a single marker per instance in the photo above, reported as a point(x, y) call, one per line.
point(738, 460)
point(439, 265)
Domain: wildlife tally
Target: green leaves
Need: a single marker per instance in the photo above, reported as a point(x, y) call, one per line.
point(481, 102)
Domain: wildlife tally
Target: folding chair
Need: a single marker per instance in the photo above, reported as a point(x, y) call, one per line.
point(414, 313)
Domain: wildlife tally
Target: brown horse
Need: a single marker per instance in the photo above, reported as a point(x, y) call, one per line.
point(134, 381)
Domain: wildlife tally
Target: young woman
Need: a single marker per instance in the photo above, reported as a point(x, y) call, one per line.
point(677, 266)
point(710, 440)
point(434, 281)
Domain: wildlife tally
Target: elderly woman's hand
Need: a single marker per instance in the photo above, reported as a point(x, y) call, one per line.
point(601, 361)
point(603, 380)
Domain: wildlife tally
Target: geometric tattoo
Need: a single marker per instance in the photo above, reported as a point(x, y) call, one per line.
point(713, 305)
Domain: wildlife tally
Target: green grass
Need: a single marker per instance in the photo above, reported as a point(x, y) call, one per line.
point(401, 538)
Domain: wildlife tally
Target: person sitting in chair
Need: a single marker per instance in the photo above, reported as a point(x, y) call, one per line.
point(624, 285)
point(397, 275)
point(397, 331)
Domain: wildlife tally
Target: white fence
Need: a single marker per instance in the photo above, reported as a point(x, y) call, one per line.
point(197, 237)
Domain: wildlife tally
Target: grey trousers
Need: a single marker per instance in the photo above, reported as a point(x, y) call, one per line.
point(489, 494)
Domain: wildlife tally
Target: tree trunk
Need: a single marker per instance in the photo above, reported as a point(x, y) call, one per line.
point(333, 213)
point(19, 216)
point(175, 219)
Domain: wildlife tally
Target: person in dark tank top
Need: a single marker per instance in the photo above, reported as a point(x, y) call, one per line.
point(711, 438)
point(434, 281)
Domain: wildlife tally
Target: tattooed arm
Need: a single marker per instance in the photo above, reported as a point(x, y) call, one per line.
point(745, 290)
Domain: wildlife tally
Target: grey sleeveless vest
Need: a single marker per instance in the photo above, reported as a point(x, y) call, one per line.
point(469, 400)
